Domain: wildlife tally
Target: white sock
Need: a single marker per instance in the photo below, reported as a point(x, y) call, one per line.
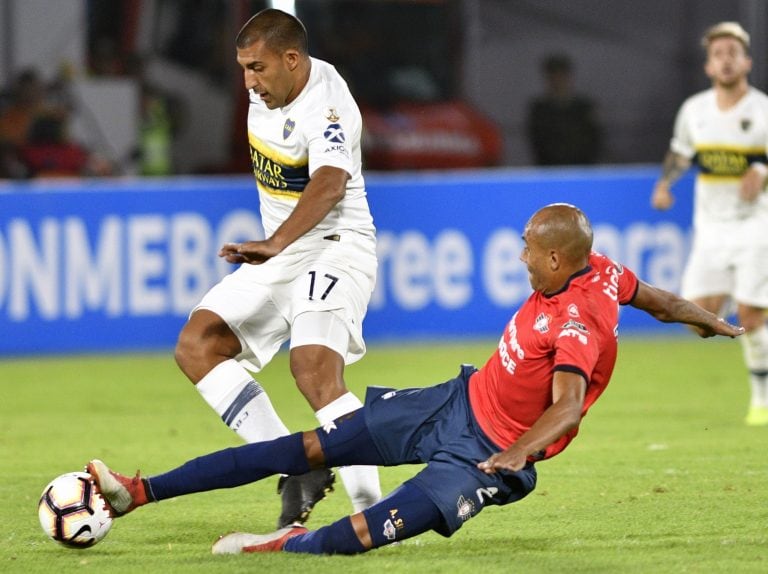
point(241, 402)
point(755, 346)
point(361, 482)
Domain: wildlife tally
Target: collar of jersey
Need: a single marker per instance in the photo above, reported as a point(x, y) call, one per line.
point(584, 271)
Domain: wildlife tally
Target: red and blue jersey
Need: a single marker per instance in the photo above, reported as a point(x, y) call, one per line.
point(574, 329)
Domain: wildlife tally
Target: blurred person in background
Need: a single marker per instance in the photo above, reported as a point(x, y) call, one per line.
point(27, 102)
point(161, 116)
point(562, 127)
point(724, 130)
point(311, 279)
point(50, 152)
point(481, 434)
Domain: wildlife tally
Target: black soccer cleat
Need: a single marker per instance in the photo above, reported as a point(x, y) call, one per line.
point(300, 493)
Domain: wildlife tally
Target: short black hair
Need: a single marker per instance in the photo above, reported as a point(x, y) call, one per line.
point(279, 30)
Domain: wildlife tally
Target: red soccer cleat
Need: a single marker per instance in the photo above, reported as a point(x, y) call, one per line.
point(122, 493)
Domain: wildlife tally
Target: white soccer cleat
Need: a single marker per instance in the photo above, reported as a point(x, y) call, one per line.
point(239, 542)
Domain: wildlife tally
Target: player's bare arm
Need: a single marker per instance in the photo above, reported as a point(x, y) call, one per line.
point(674, 166)
point(753, 182)
point(563, 415)
point(326, 188)
point(670, 308)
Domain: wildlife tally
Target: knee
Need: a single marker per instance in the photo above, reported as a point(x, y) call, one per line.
point(318, 372)
point(188, 347)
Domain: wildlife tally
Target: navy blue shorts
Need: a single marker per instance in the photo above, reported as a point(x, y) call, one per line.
point(435, 425)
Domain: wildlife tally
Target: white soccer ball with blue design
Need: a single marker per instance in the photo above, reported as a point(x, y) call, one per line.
point(73, 512)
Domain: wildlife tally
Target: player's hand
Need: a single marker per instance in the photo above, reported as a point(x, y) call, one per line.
point(721, 327)
point(752, 183)
point(511, 459)
point(662, 197)
point(253, 252)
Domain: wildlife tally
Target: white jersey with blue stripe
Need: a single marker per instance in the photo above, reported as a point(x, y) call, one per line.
point(321, 127)
point(723, 143)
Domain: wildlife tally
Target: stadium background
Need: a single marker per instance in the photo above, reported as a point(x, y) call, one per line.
point(115, 264)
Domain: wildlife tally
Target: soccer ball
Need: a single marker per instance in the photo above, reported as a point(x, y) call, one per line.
point(73, 512)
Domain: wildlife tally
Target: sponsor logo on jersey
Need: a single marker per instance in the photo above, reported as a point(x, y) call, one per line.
point(509, 347)
point(288, 128)
point(276, 173)
point(727, 161)
point(611, 285)
point(466, 508)
point(571, 324)
point(580, 337)
point(334, 133)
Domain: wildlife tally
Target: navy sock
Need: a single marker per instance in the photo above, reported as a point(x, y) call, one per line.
point(403, 514)
point(232, 467)
point(336, 538)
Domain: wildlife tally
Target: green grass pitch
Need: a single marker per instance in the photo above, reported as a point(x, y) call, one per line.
point(664, 476)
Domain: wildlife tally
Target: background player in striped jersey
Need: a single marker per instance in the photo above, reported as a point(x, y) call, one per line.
point(724, 131)
point(479, 434)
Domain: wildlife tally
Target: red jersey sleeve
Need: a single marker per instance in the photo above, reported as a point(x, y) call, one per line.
point(628, 284)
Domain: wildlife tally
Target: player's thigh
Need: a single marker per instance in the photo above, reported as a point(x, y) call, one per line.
point(752, 276)
point(245, 302)
point(461, 491)
point(708, 273)
point(326, 305)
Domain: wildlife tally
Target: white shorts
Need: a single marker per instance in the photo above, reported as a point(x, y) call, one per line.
point(722, 264)
point(260, 303)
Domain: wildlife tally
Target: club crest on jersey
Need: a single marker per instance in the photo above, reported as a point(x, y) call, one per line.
point(746, 123)
point(573, 310)
point(332, 116)
point(465, 508)
point(288, 128)
point(542, 323)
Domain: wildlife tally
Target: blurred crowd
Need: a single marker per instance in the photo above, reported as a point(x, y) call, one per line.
point(36, 135)
point(35, 138)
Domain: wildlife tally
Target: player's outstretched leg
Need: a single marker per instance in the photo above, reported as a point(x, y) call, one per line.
point(299, 495)
point(407, 512)
point(122, 493)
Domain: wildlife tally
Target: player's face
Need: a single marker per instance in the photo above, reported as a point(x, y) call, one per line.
point(727, 62)
point(269, 75)
point(536, 260)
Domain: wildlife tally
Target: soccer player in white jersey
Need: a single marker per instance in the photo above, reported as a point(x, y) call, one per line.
point(309, 281)
point(724, 130)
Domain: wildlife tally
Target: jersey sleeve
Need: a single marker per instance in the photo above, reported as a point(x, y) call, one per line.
point(576, 346)
point(682, 142)
point(628, 284)
point(331, 134)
